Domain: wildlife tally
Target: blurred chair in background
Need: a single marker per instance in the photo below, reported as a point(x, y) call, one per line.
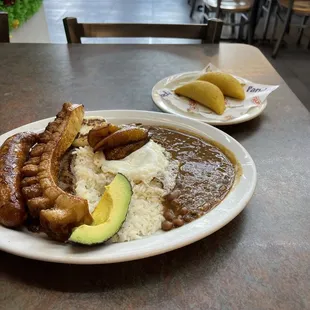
point(229, 8)
point(210, 33)
point(284, 11)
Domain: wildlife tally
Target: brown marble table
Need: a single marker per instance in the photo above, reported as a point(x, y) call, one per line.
point(261, 260)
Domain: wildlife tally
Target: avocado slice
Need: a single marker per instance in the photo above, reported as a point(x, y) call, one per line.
point(109, 214)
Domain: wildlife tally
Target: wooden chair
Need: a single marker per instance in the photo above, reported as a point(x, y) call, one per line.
point(265, 12)
point(290, 7)
point(209, 33)
point(231, 7)
point(4, 28)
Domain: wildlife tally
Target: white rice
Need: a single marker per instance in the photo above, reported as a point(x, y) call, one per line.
point(145, 213)
point(90, 181)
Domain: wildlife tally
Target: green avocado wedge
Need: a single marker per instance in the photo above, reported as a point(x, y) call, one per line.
point(109, 215)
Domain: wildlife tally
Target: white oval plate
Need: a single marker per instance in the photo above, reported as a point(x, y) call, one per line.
point(38, 246)
point(173, 81)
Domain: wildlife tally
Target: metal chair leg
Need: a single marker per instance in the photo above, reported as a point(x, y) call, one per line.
point(232, 21)
point(274, 29)
point(280, 39)
point(303, 23)
point(288, 27)
point(193, 8)
point(241, 29)
point(267, 19)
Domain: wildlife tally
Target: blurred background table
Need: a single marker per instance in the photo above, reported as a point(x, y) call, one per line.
point(258, 261)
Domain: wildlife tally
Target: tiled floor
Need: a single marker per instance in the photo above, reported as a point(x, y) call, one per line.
point(292, 63)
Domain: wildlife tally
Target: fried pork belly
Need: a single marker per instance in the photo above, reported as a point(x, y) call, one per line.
point(59, 212)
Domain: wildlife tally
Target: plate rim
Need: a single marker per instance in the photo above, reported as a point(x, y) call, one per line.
point(163, 107)
point(150, 252)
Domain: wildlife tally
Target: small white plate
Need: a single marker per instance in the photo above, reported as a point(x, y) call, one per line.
point(173, 81)
point(38, 246)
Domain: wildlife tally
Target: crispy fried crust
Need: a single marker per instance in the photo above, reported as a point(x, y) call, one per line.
point(59, 211)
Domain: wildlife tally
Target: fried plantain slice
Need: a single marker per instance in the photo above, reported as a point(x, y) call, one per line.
point(123, 151)
point(121, 137)
point(97, 134)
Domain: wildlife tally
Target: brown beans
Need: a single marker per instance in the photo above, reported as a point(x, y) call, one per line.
point(166, 225)
point(173, 195)
point(178, 222)
point(184, 211)
point(168, 215)
point(200, 214)
point(187, 218)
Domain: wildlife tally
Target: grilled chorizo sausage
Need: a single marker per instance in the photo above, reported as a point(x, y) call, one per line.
point(13, 154)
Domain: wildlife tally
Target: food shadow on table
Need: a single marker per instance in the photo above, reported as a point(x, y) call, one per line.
point(206, 255)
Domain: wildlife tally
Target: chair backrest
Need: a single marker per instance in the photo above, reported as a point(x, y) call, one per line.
point(210, 33)
point(4, 28)
point(300, 7)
